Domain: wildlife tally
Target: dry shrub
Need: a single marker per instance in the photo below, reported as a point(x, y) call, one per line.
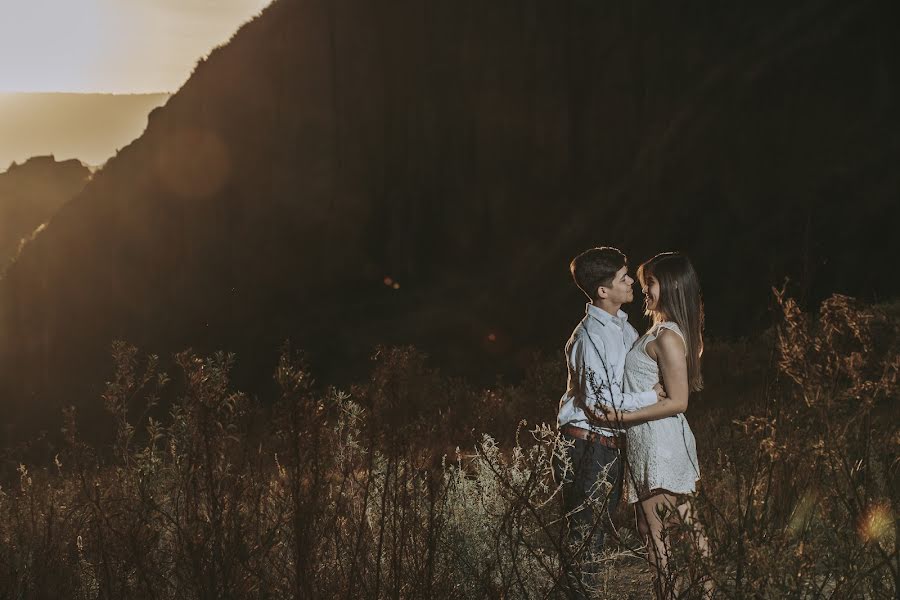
point(800, 493)
point(325, 494)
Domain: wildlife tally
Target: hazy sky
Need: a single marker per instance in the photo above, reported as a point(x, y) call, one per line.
point(118, 46)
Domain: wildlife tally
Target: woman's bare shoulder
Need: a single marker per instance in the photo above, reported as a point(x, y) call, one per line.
point(669, 342)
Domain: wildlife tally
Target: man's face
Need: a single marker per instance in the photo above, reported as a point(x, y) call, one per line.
point(620, 290)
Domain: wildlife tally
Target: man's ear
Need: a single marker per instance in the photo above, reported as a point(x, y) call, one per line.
point(602, 292)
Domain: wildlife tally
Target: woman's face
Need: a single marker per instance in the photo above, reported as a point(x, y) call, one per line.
point(651, 292)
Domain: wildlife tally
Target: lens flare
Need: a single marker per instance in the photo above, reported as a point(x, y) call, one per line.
point(194, 163)
point(877, 525)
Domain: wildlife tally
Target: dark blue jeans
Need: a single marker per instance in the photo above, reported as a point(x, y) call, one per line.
point(592, 464)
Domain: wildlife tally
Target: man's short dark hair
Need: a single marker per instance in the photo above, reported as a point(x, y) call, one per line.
point(596, 267)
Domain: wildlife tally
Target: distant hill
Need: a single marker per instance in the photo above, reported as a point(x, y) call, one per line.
point(347, 174)
point(89, 127)
point(30, 194)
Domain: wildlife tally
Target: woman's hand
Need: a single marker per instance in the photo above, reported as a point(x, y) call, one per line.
point(609, 416)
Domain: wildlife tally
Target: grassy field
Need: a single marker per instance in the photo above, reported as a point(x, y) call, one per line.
point(416, 485)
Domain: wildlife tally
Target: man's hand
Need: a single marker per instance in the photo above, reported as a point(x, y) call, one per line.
point(660, 392)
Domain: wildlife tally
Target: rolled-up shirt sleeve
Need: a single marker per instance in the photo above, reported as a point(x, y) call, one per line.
point(596, 382)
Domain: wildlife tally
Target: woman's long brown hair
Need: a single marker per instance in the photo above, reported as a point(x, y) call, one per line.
point(679, 301)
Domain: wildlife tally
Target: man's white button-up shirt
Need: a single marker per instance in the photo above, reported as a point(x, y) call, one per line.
point(595, 356)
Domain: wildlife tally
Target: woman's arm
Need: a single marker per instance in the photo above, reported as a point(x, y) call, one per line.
point(670, 355)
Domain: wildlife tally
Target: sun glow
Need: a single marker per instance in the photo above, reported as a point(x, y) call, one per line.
point(47, 45)
point(111, 45)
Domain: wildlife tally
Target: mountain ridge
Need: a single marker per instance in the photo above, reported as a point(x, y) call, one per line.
point(30, 194)
point(85, 126)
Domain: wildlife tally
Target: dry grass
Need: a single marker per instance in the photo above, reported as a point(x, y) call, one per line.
point(325, 494)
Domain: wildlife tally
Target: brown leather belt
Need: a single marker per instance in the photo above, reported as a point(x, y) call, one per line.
point(610, 441)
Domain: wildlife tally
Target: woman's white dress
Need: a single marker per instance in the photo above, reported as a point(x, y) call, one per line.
point(661, 454)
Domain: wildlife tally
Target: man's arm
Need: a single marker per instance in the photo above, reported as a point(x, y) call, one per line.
point(673, 367)
point(597, 380)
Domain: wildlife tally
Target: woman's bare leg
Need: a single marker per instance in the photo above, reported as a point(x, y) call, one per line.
point(698, 534)
point(653, 529)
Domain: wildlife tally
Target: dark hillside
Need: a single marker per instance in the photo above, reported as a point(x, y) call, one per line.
point(466, 151)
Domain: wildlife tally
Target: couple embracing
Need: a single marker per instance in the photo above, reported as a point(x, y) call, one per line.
point(623, 410)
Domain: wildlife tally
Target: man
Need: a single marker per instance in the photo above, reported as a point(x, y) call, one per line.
point(596, 363)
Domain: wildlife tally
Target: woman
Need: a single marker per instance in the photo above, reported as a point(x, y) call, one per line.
point(661, 452)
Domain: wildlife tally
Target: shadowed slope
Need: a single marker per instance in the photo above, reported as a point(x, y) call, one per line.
point(466, 151)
